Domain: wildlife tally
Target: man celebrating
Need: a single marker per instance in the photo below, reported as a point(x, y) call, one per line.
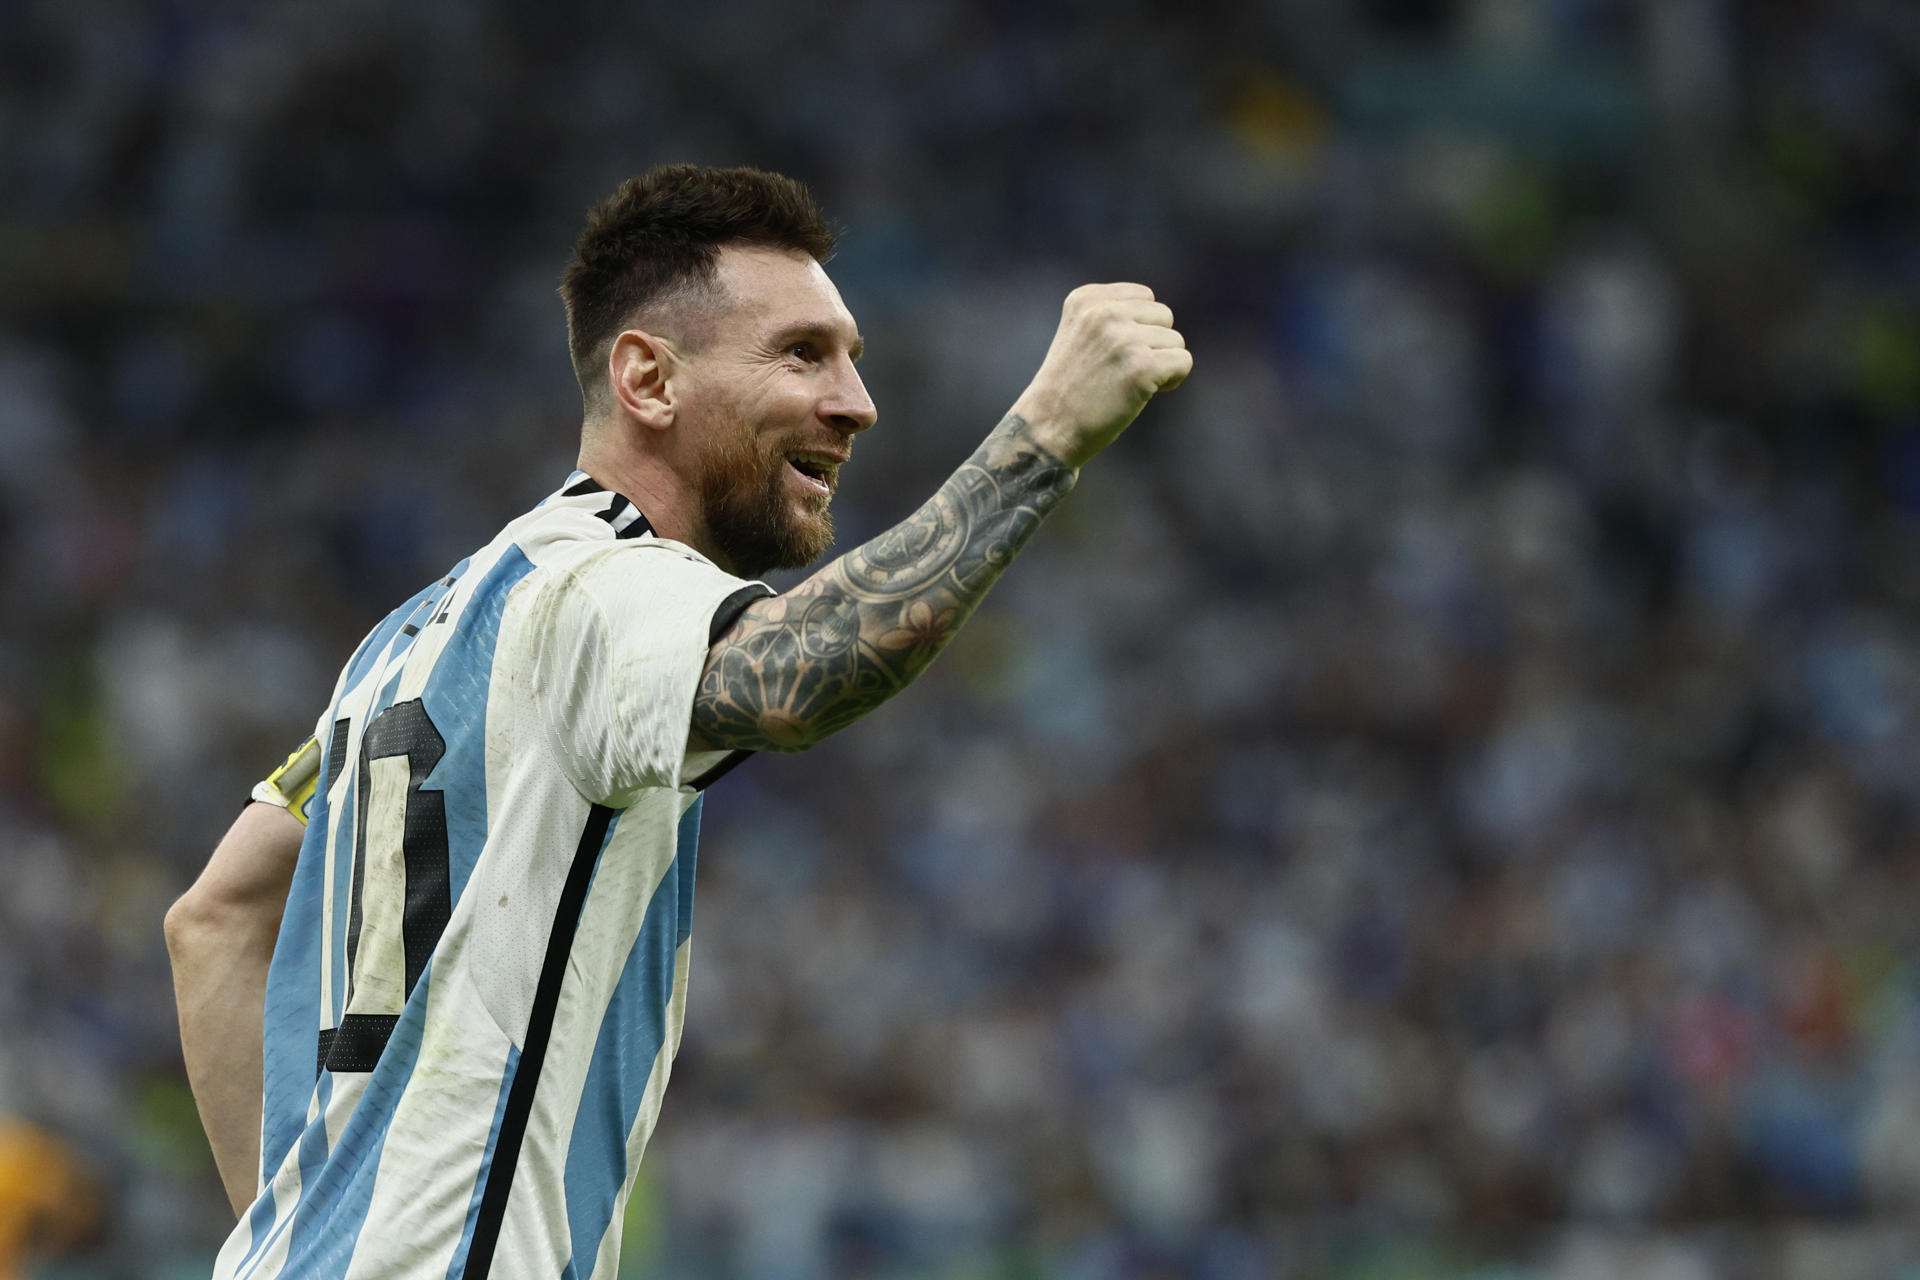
point(478, 941)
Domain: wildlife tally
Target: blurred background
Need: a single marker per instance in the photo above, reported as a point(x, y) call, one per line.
point(1440, 801)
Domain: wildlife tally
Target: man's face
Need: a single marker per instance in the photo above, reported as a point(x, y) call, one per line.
point(774, 402)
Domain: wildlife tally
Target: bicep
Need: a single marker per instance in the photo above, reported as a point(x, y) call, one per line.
point(717, 723)
point(791, 670)
point(741, 616)
point(252, 866)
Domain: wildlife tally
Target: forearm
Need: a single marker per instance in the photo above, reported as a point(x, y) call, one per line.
point(220, 987)
point(220, 939)
point(805, 664)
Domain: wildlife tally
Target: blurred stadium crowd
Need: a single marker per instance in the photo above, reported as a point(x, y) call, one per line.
point(1440, 801)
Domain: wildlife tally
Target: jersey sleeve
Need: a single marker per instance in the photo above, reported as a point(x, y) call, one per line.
point(625, 638)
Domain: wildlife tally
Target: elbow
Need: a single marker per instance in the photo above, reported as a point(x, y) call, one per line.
point(187, 923)
point(784, 731)
point(196, 923)
point(770, 730)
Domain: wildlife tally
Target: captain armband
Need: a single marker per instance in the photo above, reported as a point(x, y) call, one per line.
point(291, 785)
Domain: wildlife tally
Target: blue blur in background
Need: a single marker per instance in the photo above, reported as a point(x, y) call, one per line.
point(1440, 800)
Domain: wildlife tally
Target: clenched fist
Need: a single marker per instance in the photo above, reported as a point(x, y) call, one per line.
point(1114, 349)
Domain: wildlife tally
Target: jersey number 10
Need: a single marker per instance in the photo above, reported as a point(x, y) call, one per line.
point(401, 891)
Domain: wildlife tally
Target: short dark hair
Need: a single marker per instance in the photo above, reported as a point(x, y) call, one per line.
point(662, 231)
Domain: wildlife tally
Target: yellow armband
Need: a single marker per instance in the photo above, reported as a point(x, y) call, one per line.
point(291, 785)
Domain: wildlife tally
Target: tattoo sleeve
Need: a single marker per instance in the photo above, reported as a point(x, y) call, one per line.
point(800, 666)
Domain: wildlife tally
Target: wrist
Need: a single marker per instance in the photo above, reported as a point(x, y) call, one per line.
point(1038, 424)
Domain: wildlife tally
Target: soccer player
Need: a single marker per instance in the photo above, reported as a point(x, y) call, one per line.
point(471, 959)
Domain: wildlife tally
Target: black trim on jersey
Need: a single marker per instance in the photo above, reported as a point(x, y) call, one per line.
point(733, 761)
point(732, 607)
point(619, 504)
point(408, 629)
point(356, 1044)
point(533, 1052)
point(639, 527)
point(337, 751)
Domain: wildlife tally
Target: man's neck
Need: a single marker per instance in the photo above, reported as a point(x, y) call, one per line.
point(650, 483)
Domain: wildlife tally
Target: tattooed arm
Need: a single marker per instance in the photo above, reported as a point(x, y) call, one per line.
point(797, 667)
point(800, 666)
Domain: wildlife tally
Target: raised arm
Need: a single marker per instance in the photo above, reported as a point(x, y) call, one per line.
point(805, 664)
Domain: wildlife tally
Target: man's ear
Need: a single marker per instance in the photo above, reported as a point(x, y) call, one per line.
point(640, 369)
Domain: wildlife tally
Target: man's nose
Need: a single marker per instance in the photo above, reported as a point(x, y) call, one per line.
point(849, 408)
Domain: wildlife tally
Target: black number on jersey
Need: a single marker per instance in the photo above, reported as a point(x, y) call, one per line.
point(403, 731)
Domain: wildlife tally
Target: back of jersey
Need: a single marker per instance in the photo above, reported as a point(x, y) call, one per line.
point(433, 956)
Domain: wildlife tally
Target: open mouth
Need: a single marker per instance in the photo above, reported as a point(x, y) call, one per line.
point(817, 470)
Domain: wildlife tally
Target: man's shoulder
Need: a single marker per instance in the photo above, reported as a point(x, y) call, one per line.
point(626, 592)
point(635, 583)
point(588, 566)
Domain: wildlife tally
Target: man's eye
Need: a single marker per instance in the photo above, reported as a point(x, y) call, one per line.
point(801, 351)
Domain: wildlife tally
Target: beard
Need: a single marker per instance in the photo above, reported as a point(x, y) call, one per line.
point(750, 516)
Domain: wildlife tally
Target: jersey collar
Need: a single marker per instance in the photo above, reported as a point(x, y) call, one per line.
point(619, 511)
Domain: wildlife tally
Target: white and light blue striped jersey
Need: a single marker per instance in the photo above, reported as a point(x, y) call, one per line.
point(477, 991)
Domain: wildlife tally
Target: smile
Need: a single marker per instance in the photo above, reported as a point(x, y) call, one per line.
point(816, 470)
